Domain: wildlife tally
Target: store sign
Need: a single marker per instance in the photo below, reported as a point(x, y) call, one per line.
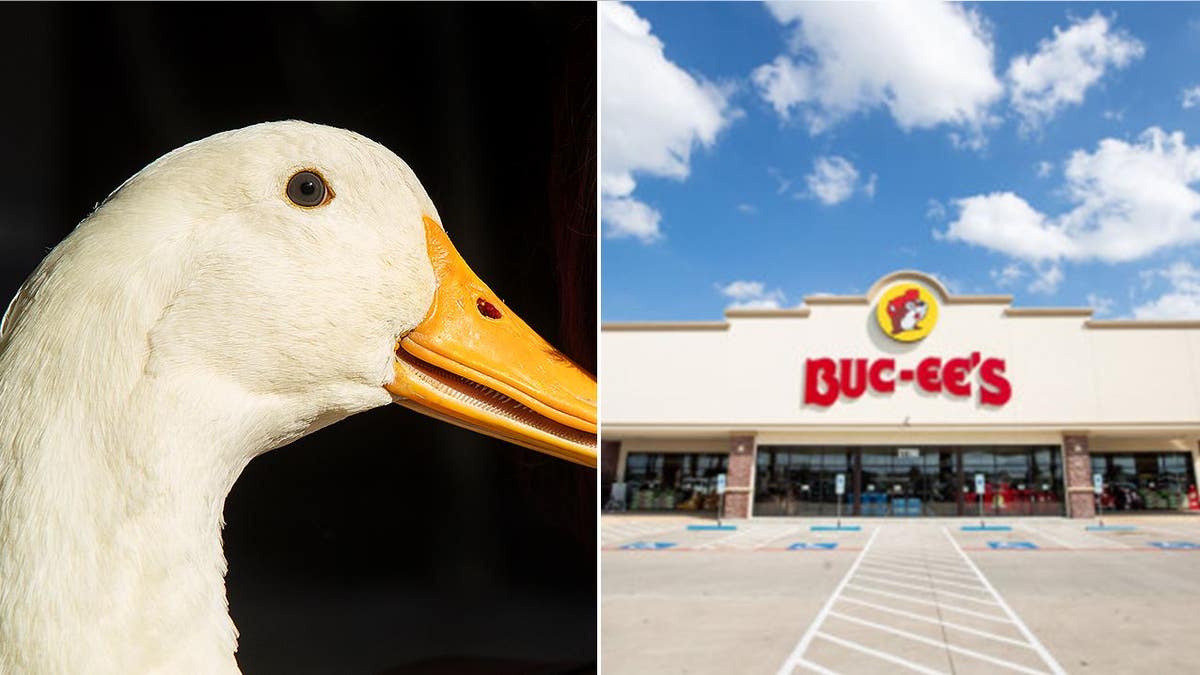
point(826, 380)
point(907, 312)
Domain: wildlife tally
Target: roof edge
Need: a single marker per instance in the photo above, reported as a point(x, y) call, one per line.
point(748, 313)
point(665, 325)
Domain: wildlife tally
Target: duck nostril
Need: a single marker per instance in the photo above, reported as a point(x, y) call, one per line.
point(487, 309)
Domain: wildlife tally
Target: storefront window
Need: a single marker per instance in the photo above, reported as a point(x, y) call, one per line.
point(1018, 481)
point(1144, 480)
point(800, 481)
point(673, 481)
point(909, 481)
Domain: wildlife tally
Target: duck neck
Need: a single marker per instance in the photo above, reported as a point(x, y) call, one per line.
point(111, 529)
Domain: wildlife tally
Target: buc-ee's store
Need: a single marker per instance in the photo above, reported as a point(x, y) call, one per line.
point(909, 392)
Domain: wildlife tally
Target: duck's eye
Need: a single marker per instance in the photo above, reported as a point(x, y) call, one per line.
point(306, 189)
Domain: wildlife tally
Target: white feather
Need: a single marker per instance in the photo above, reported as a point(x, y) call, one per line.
point(195, 320)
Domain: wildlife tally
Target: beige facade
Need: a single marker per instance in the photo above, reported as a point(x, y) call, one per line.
point(1110, 386)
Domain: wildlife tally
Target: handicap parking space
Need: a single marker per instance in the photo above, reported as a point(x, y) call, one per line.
point(648, 534)
point(1059, 535)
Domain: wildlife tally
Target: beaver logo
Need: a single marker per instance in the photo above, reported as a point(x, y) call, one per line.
point(907, 312)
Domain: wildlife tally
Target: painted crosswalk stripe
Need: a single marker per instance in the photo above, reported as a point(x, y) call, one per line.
point(815, 667)
point(922, 577)
point(877, 654)
point(935, 643)
point(920, 601)
point(806, 639)
point(1028, 634)
point(937, 574)
point(927, 589)
point(941, 622)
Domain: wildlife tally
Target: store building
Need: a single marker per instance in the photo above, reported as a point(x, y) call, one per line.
point(909, 392)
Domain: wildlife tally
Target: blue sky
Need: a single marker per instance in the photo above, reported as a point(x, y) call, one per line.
point(753, 154)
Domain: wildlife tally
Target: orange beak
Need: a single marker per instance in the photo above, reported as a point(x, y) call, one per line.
point(474, 363)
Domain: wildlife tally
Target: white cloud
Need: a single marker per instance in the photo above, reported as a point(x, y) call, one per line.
point(1004, 222)
point(1062, 70)
point(782, 184)
point(751, 295)
point(1181, 302)
point(935, 210)
point(927, 63)
point(653, 115)
point(1044, 169)
point(1113, 115)
point(1007, 276)
point(869, 187)
point(1046, 279)
point(1190, 97)
point(953, 285)
point(748, 209)
point(1130, 200)
point(832, 180)
point(628, 217)
point(1102, 305)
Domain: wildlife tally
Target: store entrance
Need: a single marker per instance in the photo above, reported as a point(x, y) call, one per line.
point(909, 481)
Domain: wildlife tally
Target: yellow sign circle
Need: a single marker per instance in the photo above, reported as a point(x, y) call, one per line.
point(906, 312)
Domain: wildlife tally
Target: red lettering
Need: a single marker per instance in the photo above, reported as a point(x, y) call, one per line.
point(878, 382)
point(927, 374)
point(816, 372)
point(994, 387)
point(954, 375)
point(854, 377)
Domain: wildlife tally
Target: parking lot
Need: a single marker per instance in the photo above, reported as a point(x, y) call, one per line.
point(778, 596)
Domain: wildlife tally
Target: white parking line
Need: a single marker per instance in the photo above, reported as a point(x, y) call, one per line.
point(877, 654)
point(1044, 534)
point(715, 542)
point(617, 534)
point(816, 668)
point(941, 622)
point(795, 657)
point(927, 589)
point(919, 601)
point(896, 567)
point(785, 535)
point(920, 577)
point(915, 562)
point(935, 643)
point(1028, 634)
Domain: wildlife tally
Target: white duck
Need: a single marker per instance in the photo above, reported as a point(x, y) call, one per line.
point(238, 293)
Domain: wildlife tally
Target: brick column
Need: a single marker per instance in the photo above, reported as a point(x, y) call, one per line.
point(610, 453)
point(1077, 465)
point(739, 482)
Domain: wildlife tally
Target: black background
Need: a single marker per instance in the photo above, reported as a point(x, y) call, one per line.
point(389, 541)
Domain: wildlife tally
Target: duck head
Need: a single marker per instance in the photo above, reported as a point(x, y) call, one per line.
point(307, 265)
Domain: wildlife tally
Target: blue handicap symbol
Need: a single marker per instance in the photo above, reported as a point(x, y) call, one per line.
point(814, 546)
point(1175, 545)
point(648, 545)
point(1020, 545)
